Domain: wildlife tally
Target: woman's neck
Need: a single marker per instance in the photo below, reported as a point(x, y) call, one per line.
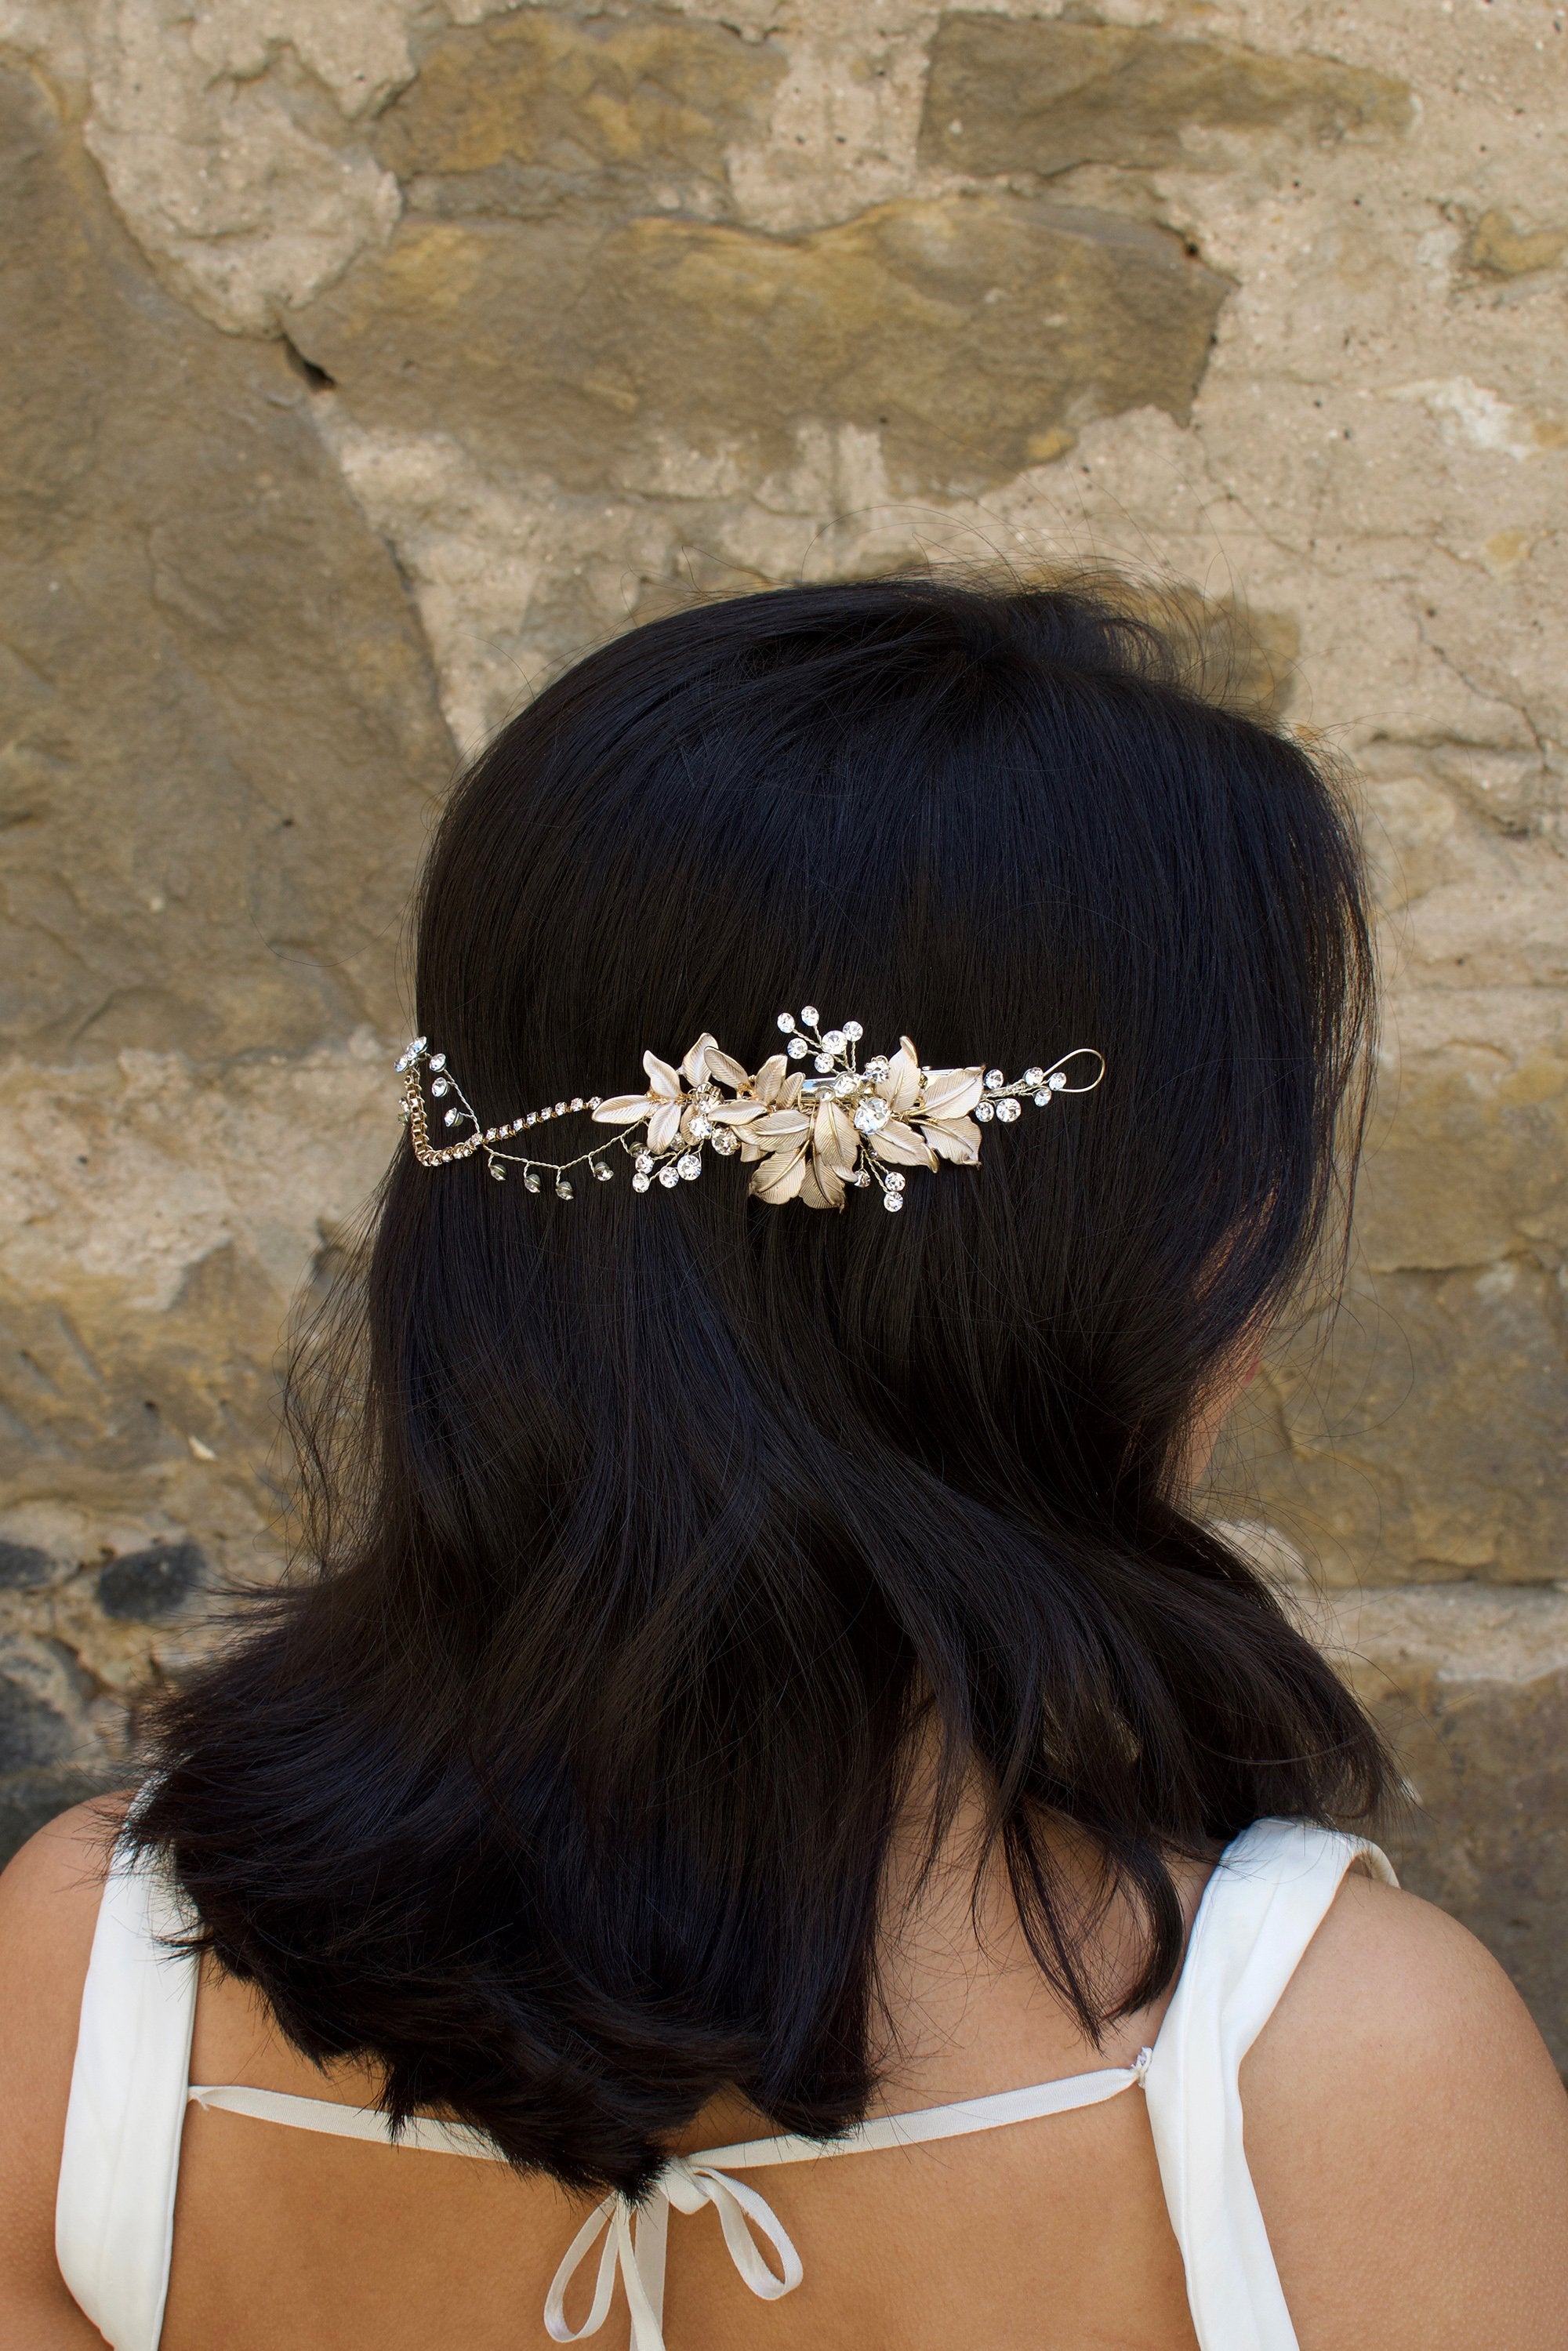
point(965, 2008)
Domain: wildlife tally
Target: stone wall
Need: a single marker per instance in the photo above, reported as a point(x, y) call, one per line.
point(368, 357)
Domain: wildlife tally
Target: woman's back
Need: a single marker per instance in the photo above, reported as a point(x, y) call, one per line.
point(1397, 2106)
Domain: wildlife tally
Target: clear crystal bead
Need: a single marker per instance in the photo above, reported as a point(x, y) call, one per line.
point(892, 1200)
point(1034, 1077)
point(419, 1045)
point(532, 1120)
point(605, 1174)
point(845, 1084)
point(726, 1144)
point(404, 1061)
point(984, 1111)
point(404, 1112)
point(853, 1031)
point(821, 1060)
point(530, 1181)
point(562, 1188)
point(644, 1163)
point(640, 1182)
point(593, 1102)
point(452, 1116)
point(438, 1061)
point(797, 1049)
point(690, 1165)
point(669, 1177)
point(809, 1015)
point(1041, 1098)
point(877, 1066)
point(872, 1114)
point(894, 1182)
point(835, 1040)
point(1008, 1109)
point(439, 1087)
point(577, 1101)
point(702, 1126)
point(561, 1110)
point(1058, 1080)
point(787, 1021)
point(994, 1079)
point(863, 1179)
point(490, 1134)
point(498, 1171)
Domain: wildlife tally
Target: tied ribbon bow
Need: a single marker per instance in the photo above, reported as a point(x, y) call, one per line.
point(638, 2251)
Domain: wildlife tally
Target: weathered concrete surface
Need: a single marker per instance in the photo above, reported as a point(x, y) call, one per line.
point(594, 307)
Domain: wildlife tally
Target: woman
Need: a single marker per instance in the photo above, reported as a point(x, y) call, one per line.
point(764, 1673)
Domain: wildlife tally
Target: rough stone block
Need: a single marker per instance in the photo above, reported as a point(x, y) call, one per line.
point(23, 1566)
point(1024, 94)
point(196, 626)
point(1471, 1688)
point(963, 331)
point(146, 1586)
point(510, 116)
point(1427, 1436)
point(42, 1704)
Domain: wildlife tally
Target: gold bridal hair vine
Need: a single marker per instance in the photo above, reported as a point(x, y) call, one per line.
point(812, 1138)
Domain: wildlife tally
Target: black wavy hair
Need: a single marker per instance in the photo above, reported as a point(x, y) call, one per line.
point(649, 1535)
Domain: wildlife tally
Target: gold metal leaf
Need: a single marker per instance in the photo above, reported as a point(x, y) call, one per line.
point(950, 1092)
point(957, 1139)
point(727, 1072)
point(780, 1176)
point(694, 1065)
point(665, 1125)
point(901, 1086)
point(900, 1146)
point(820, 1186)
point(782, 1126)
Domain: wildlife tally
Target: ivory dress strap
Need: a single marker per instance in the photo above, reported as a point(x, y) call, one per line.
point(1261, 1907)
point(114, 2207)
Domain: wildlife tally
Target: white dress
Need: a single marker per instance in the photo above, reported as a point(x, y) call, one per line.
point(130, 2085)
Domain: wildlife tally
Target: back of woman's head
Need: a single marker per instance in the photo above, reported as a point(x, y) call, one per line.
point(656, 1533)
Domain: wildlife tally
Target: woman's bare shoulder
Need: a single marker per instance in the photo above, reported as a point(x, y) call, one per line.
point(1407, 2133)
point(48, 1908)
point(49, 1894)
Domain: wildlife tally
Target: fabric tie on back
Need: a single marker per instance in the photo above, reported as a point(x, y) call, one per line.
point(634, 2244)
point(636, 2239)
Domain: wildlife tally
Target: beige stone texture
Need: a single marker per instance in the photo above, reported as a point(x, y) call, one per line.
point(1471, 1685)
point(217, 699)
point(1027, 94)
point(370, 358)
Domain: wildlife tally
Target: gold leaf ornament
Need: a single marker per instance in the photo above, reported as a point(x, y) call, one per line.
point(812, 1137)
